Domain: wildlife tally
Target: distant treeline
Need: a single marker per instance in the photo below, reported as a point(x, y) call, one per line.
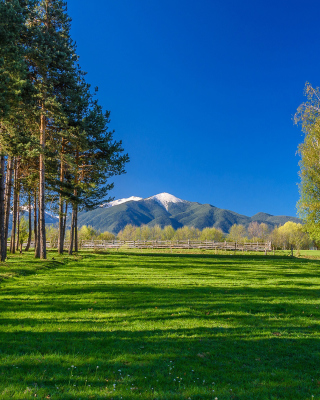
point(283, 237)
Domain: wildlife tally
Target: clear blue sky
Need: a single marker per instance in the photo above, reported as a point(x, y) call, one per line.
point(202, 93)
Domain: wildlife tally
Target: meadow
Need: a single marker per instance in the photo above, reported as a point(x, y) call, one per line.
point(151, 325)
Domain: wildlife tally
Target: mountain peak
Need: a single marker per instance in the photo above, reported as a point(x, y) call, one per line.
point(120, 201)
point(165, 198)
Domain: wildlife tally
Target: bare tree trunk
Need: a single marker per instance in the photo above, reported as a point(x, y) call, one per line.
point(35, 221)
point(75, 206)
point(18, 220)
point(60, 238)
point(8, 197)
point(38, 237)
point(76, 227)
point(71, 233)
point(42, 223)
point(30, 223)
point(3, 244)
point(61, 202)
point(14, 211)
point(65, 223)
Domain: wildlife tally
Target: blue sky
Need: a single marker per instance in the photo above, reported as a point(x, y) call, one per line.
point(202, 93)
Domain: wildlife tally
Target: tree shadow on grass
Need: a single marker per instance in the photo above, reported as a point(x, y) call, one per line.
point(253, 368)
point(255, 342)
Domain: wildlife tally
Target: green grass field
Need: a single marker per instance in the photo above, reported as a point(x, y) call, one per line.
point(160, 326)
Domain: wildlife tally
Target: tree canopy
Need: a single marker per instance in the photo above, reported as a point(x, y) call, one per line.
point(55, 144)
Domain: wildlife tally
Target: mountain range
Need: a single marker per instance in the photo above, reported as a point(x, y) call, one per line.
point(165, 209)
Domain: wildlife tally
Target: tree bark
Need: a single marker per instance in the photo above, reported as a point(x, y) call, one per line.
point(65, 223)
point(61, 216)
point(14, 211)
point(35, 221)
point(8, 197)
point(30, 223)
point(76, 227)
point(3, 244)
point(60, 238)
point(18, 220)
point(71, 233)
point(42, 223)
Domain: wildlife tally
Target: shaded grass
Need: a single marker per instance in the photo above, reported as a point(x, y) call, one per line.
point(160, 326)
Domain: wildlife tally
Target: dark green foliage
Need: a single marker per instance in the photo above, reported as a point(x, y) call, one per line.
point(51, 126)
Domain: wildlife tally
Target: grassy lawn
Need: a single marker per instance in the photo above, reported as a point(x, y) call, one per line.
point(160, 326)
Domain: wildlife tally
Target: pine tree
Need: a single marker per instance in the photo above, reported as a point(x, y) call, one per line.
point(51, 62)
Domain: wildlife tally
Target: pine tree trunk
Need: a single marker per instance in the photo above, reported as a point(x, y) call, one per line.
point(65, 223)
point(38, 230)
point(76, 228)
point(3, 244)
point(42, 223)
point(35, 221)
point(71, 233)
point(75, 207)
point(61, 236)
point(18, 221)
point(8, 197)
point(14, 211)
point(30, 223)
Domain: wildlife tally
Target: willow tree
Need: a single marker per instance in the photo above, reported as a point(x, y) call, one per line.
point(308, 116)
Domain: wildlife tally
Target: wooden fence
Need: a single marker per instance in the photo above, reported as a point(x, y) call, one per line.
point(162, 244)
point(170, 244)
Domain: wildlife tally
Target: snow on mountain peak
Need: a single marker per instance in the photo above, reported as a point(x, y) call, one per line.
point(120, 201)
point(162, 198)
point(165, 198)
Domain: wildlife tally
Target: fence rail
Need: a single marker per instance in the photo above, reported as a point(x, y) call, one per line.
point(168, 244)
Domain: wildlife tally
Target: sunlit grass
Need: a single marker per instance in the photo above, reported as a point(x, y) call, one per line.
point(160, 326)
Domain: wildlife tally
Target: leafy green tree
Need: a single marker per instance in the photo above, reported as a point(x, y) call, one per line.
point(87, 233)
point(237, 233)
point(308, 116)
point(106, 236)
point(156, 232)
point(145, 232)
point(290, 234)
point(23, 231)
point(128, 233)
point(168, 233)
point(52, 233)
point(186, 233)
point(212, 234)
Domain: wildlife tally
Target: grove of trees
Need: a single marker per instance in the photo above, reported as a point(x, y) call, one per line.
point(55, 145)
point(283, 237)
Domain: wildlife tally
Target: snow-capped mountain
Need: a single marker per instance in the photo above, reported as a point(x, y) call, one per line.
point(120, 201)
point(165, 199)
point(165, 209)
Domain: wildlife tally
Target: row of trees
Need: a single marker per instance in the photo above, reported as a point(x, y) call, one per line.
point(55, 145)
point(283, 237)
